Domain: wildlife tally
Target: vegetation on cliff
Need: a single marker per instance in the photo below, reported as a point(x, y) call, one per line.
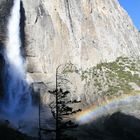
point(121, 76)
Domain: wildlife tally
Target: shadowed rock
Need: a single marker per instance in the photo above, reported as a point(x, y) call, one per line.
point(118, 126)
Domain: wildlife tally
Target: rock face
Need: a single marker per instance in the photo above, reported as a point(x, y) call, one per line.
point(81, 33)
point(4, 13)
point(84, 32)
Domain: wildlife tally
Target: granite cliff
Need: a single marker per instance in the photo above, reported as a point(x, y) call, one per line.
point(84, 32)
point(78, 35)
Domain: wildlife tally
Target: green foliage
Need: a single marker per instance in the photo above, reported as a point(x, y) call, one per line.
point(62, 108)
point(110, 78)
point(115, 76)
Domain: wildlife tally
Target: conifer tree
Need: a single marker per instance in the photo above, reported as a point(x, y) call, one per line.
point(62, 109)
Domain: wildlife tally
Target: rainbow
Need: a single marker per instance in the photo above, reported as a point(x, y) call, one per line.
point(106, 107)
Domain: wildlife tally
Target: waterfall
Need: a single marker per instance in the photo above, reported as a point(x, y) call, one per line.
point(13, 42)
point(17, 96)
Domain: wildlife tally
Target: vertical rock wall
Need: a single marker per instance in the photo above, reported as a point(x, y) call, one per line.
point(84, 32)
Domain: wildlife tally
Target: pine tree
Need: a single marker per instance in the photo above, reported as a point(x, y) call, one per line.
point(62, 109)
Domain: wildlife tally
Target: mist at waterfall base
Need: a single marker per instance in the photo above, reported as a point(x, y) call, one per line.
point(16, 103)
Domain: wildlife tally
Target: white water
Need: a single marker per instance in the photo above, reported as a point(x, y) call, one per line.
point(13, 42)
point(17, 95)
point(16, 105)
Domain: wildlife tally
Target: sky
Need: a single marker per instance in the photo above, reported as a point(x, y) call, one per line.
point(133, 9)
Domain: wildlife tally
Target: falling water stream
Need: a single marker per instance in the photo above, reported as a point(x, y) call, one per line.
point(16, 91)
point(16, 105)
